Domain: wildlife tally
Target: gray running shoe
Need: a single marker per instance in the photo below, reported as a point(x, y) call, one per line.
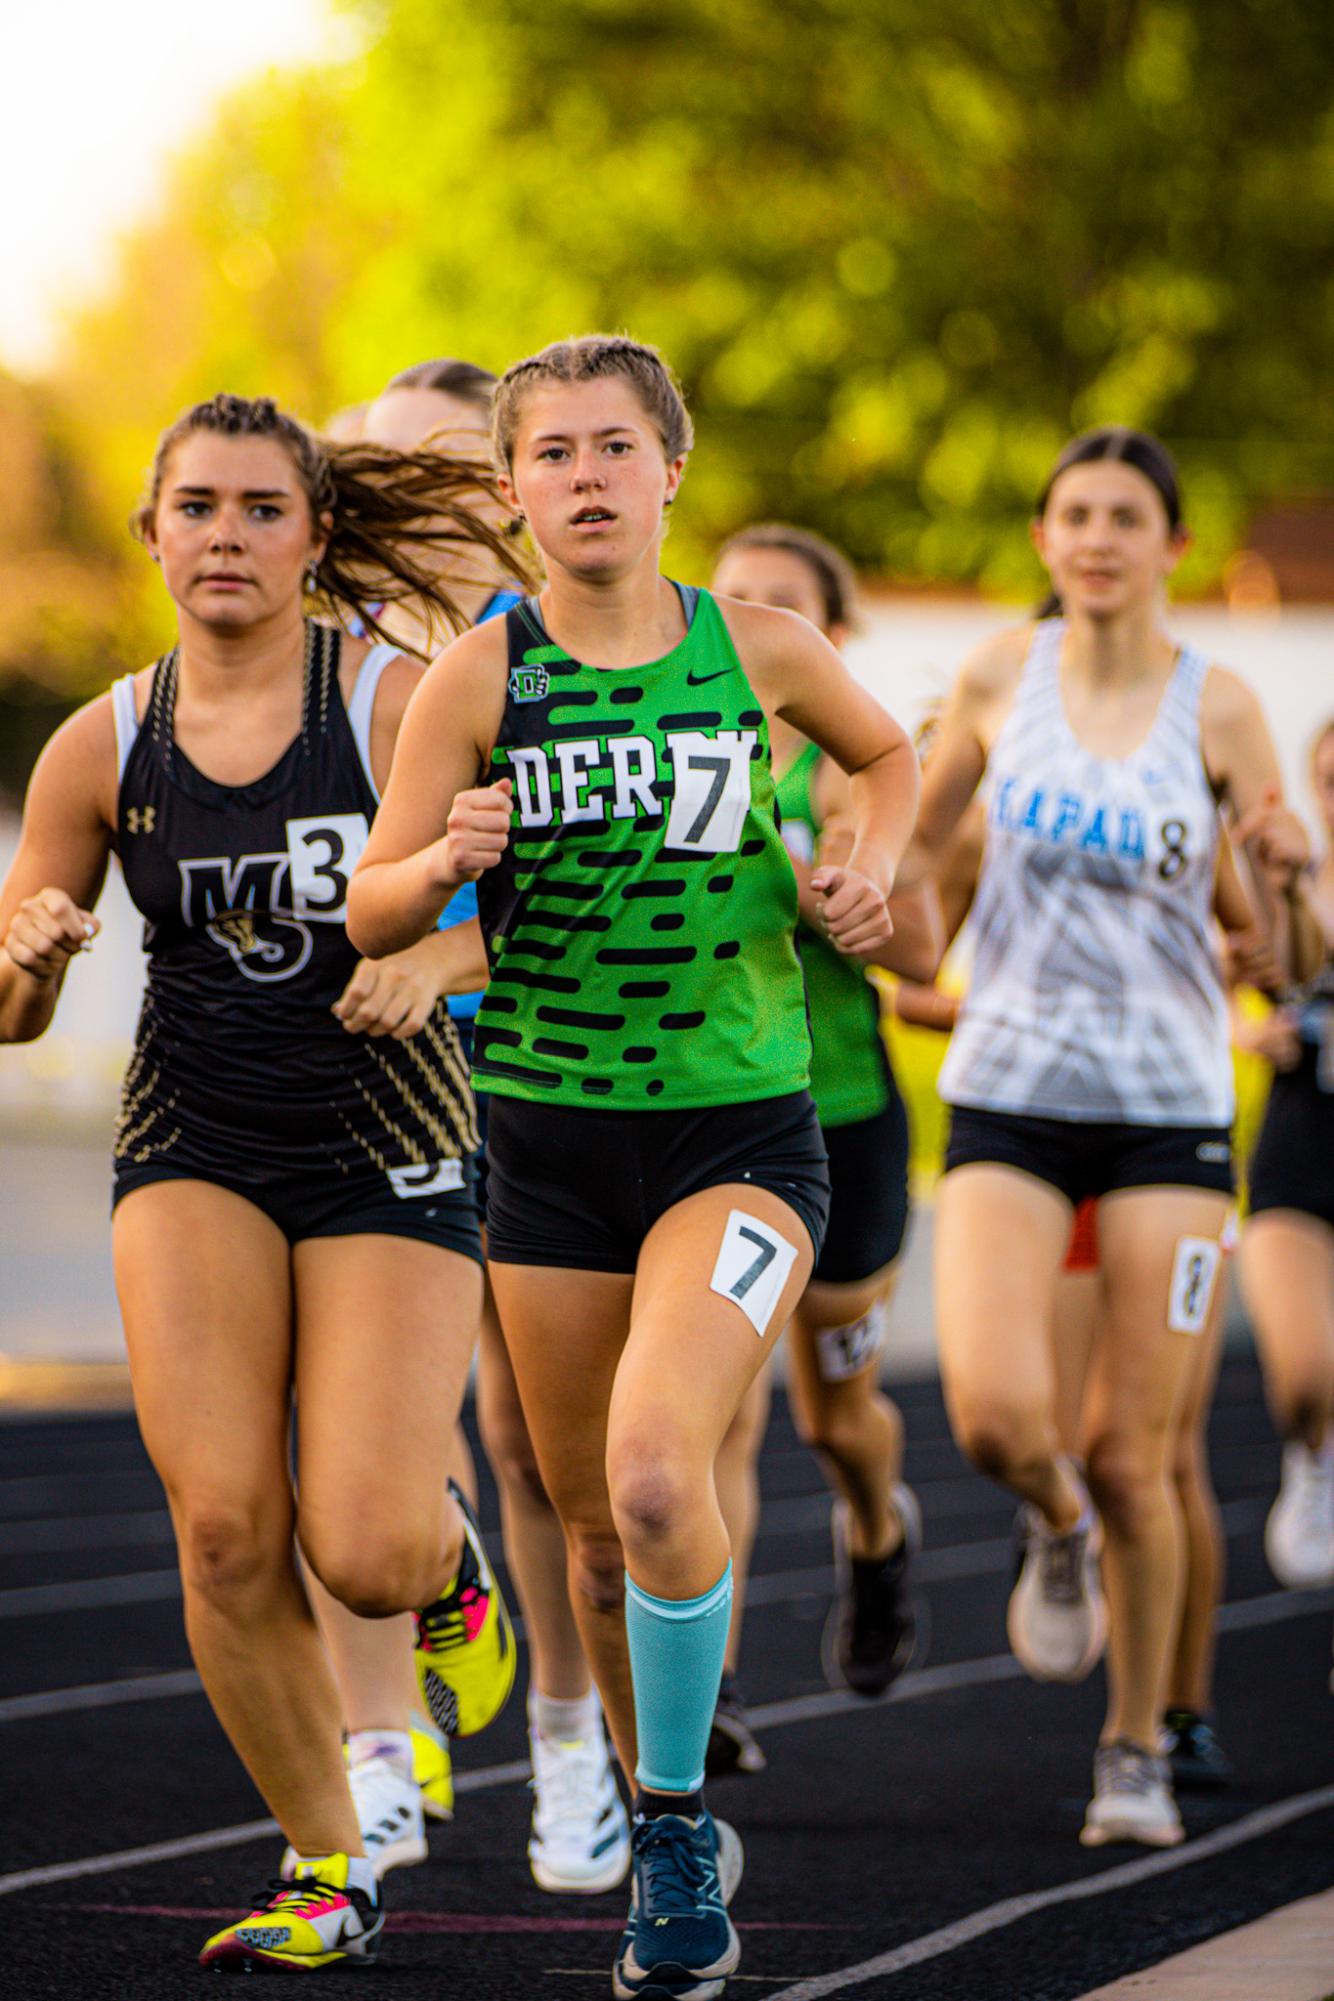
point(1132, 1799)
point(1057, 1620)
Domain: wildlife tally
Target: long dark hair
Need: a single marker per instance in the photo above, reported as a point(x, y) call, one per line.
point(387, 511)
point(1140, 449)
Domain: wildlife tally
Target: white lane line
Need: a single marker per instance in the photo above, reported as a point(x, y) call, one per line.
point(995, 1917)
point(480, 1781)
point(99, 1695)
point(1246, 1612)
point(954, 1560)
point(776, 1587)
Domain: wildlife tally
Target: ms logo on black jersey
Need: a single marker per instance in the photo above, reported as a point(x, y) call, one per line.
point(260, 908)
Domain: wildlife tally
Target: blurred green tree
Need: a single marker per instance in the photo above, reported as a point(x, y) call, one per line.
point(897, 252)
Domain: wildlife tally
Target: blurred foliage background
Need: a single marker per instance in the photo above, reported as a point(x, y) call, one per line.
point(897, 249)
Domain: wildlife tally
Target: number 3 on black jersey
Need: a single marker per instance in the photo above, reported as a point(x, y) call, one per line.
point(322, 852)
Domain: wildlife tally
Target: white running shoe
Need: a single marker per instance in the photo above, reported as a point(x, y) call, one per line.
point(580, 1839)
point(389, 1814)
point(1132, 1799)
point(1057, 1617)
point(1299, 1535)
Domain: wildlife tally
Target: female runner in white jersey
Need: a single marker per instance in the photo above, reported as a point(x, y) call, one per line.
point(1091, 1058)
point(579, 1840)
point(292, 1214)
point(642, 1255)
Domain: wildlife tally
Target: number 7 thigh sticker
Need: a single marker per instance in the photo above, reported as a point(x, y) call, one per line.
point(1194, 1272)
point(752, 1267)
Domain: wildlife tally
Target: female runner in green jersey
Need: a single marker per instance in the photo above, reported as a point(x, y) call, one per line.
point(600, 764)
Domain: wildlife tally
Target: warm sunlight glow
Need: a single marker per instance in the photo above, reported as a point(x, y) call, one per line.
point(97, 97)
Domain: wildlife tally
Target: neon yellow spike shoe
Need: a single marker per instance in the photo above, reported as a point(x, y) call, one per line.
point(465, 1643)
point(314, 1921)
point(432, 1770)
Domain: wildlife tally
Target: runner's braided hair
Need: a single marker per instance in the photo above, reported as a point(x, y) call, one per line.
point(384, 510)
point(584, 360)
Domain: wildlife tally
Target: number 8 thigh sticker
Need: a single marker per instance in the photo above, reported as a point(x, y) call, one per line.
point(752, 1267)
point(1194, 1273)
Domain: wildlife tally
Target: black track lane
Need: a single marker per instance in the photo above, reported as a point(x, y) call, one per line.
point(871, 1827)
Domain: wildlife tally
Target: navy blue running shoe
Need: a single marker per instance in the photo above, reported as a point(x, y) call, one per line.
point(679, 1942)
point(1199, 1762)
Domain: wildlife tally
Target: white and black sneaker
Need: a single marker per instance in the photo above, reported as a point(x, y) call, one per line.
point(580, 1838)
point(389, 1813)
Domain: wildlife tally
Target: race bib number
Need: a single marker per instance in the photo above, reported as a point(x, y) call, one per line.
point(843, 1352)
point(433, 1179)
point(752, 1267)
point(1194, 1274)
point(711, 790)
point(322, 853)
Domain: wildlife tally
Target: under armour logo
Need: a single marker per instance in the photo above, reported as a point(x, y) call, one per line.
point(141, 822)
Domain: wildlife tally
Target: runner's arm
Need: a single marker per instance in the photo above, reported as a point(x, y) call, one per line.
point(436, 827)
point(47, 902)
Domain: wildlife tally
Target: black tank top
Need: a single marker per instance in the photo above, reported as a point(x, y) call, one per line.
point(243, 890)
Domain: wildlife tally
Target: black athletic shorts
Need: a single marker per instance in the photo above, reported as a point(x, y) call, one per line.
point(1083, 1160)
point(1293, 1163)
point(868, 1212)
point(320, 1201)
point(583, 1187)
point(464, 1030)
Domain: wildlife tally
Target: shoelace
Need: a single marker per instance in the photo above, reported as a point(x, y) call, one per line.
point(444, 1625)
point(1062, 1559)
point(278, 1893)
point(1124, 1768)
point(679, 1881)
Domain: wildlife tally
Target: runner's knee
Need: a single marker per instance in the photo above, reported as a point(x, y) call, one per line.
point(1127, 1479)
point(651, 1490)
point(228, 1550)
point(373, 1571)
point(597, 1567)
point(998, 1437)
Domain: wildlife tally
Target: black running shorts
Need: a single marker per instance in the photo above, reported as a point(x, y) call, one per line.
point(1083, 1160)
point(1293, 1163)
point(583, 1187)
point(868, 1212)
point(320, 1201)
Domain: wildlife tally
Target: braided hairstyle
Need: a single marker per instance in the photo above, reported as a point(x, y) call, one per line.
point(385, 510)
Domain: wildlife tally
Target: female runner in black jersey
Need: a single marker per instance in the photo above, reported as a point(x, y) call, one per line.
point(292, 1210)
point(658, 1185)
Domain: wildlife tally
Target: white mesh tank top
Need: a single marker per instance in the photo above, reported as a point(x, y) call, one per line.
point(1095, 991)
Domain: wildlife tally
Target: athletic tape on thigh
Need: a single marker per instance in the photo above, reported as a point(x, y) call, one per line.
point(843, 1352)
point(1194, 1275)
point(752, 1267)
